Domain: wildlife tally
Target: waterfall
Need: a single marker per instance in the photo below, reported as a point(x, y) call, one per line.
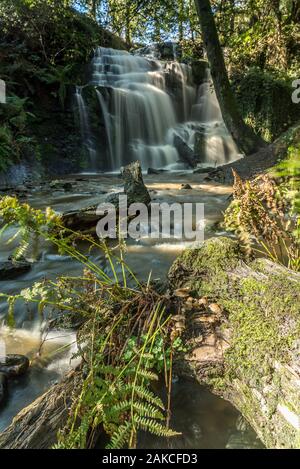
point(218, 145)
point(85, 128)
point(142, 104)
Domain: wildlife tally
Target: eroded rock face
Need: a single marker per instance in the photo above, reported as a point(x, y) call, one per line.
point(250, 352)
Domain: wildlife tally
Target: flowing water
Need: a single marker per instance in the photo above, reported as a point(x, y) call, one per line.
point(143, 103)
point(204, 419)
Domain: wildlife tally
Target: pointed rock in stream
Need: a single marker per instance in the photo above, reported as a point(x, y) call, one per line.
point(135, 189)
point(134, 186)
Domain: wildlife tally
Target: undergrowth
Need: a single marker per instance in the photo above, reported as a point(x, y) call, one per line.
point(125, 341)
point(265, 212)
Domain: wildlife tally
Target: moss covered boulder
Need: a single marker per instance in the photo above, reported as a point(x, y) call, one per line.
point(255, 343)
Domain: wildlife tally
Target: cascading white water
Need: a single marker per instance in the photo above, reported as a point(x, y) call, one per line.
point(140, 110)
point(143, 104)
point(218, 145)
point(85, 127)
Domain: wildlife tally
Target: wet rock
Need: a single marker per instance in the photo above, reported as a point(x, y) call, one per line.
point(55, 184)
point(185, 153)
point(61, 185)
point(14, 365)
point(11, 269)
point(243, 440)
point(67, 187)
point(86, 219)
point(208, 169)
point(200, 146)
point(155, 171)
point(134, 186)
point(161, 50)
point(21, 188)
point(186, 187)
point(3, 387)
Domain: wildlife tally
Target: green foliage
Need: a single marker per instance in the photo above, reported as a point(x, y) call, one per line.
point(124, 340)
point(14, 138)
point(265, 211)
point(260, 33)
point(60, 75)
point(265, 101)
point(289, 172)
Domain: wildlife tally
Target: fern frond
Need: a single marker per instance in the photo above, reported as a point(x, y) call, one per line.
point(147, 410)
point(148, 396)
point(154, 427)
point(142, 373)
point(120, 437)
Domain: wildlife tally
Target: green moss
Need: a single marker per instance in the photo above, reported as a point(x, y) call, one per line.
point(207, 267)
point(266, 323)
point(262, 307)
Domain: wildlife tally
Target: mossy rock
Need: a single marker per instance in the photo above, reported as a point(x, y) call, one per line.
point(202, 268)
point(261, 303)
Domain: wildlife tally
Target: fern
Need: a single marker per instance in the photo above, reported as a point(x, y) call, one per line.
point(154, 427)
point(120, 437)
point(122, 327)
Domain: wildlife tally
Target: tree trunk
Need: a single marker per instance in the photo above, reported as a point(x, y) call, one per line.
point(93, 9)
point(247, 141)
point(128, 24)
point(36, 426)
point(180, 19)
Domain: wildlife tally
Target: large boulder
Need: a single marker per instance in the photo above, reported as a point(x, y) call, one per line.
point(85, 220)
point(185, 153)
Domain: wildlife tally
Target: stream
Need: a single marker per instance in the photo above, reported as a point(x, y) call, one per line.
point(205, 420)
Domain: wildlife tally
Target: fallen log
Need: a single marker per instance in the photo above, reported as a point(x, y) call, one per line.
point(249, 351)
point(242, 325)
point(11, 269)
point(36, 426)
